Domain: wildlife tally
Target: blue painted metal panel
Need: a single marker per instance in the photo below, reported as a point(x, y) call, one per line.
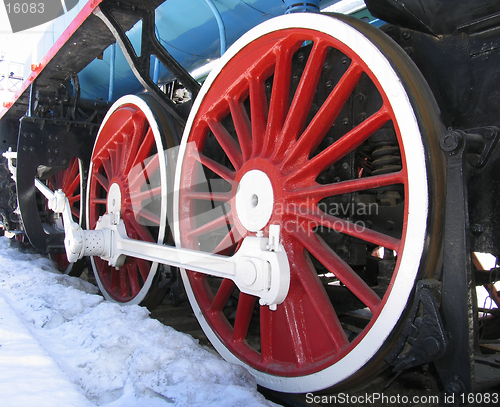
point(189, 31)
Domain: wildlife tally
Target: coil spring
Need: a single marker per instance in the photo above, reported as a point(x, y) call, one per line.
point(386, 159)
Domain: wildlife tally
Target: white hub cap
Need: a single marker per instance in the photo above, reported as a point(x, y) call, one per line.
point(114, 198)
point(254, 200)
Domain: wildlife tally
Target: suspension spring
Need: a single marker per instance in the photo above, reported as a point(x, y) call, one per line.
point(386, 158)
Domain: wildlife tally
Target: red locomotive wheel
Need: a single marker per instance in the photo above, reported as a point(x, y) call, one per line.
point(326, 128)
point(128, 166)
point(70, 182)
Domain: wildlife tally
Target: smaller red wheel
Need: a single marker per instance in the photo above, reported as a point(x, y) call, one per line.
point(129, 170)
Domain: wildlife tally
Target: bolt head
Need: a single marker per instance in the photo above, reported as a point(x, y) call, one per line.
point(451, 141)
point(248, 272)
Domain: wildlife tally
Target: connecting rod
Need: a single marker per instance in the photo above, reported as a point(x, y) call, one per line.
point(260, 266)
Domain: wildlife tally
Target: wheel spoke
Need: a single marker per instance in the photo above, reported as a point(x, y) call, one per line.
point(244, 313)
point(242, 126)
point(316, 218)
point(142, 172)
point(72, 186)
point(258, 112)
point(116, 158)
point(106, 165)
point(319, 192)
point(136, 230)
point(316, 294)
point(113, 275)
point(145, 148)
point(138, 197)
point(230, 147)
point(302, 100)
point(74, 202)
point(229, 241)
point(137, 177)
point(124, 284)
point(326, 256)
point(276, 342)
point(278, 105)
point(74, 199)
point(75, 212)
point(134, 140)
point(144, 268)
point(321, 304)
point(341, 148)
point(133, 277)
point(148, 215)
point(223, 172)
point(208, 196)
point(218, 223)
point(67, 177)
point(98, 201)
point(324, 118)
point(223, 294)
point(102, 180)
point(266, 335)
point(296, 329)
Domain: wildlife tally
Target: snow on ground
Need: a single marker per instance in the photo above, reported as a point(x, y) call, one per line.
point(61, 344)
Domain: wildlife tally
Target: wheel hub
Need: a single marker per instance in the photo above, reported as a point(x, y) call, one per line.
point(114, 201)
point(254, 200)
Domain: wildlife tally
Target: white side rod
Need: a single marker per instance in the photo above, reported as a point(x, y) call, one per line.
point(260, 266)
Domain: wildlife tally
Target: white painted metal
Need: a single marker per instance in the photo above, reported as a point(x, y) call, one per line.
point(11, 156)
point(345, 7)
point(254, 200)
point(114, 200)
point(74, 239)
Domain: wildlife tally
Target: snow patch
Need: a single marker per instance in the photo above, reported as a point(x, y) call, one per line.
point(112, 355)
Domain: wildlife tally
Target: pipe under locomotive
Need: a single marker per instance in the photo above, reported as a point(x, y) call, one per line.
point(323, 193)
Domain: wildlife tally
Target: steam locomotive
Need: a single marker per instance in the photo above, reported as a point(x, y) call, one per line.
point(324, 188)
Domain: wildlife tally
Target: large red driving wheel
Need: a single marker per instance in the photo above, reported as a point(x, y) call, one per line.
point(129, 168)
point(321, 125)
